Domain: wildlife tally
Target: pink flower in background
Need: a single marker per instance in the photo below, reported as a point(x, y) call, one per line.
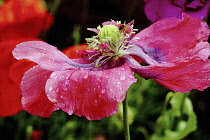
point(159, 9)
point(175, 50)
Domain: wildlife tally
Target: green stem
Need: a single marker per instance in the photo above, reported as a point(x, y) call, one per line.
point(125, 119)
point(54, 7)
point(177, 120)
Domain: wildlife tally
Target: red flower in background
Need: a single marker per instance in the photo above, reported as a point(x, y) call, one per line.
point(23, 18)
point(11, 72)
point(75, 51)
point(36, 135)
point(20, 20)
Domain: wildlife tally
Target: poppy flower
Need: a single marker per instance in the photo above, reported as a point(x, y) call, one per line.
point(156, 10)
point(20, 20)
point(11, 73)
point(175, 50)
point(23, 18)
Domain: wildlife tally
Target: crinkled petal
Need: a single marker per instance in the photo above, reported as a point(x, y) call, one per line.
point(93, 94)
point(34, 99)
point(180, 77)
point(48, 57)
point(172, 39)
point(131, 61)
point(137, 51)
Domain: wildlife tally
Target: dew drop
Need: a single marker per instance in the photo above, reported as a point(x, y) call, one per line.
point(130, 76)
point(54, 100)
point(65, 89)
point(122, 78)
point(122, 69)
point(66, 82)
point(50, 88)
point(103, 90)
point(86, 76)
point(95, 101)
point(53, 75)
point(41, 53)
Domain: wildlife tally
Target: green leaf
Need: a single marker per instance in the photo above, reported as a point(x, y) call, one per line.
point(176, 122)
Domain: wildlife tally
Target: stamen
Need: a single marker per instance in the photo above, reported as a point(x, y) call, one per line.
point(111, 41)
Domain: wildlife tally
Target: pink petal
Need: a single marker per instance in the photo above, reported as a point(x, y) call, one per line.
point(171, 39)
point(180, 77)
point(34, 99)
point(93, 94)
point(47, 56)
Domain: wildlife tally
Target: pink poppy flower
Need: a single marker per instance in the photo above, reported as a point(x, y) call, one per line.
point(159, 9)
point(175, 50)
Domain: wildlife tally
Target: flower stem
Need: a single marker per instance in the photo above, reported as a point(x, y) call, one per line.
point(177, 120)
point(125, 119)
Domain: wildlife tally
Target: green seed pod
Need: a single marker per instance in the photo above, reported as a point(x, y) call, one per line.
point(109, 32)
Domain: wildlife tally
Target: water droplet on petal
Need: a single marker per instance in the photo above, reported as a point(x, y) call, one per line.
point(95, 101)
point(103, 90)
point(122, 69)
point(65, 89)
point(130, 76)
point(50, 89)
point(66, 82)
point(53, 75)
point(53, 100)
point(122, 78)
point(86, 76)
point(41, 53)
